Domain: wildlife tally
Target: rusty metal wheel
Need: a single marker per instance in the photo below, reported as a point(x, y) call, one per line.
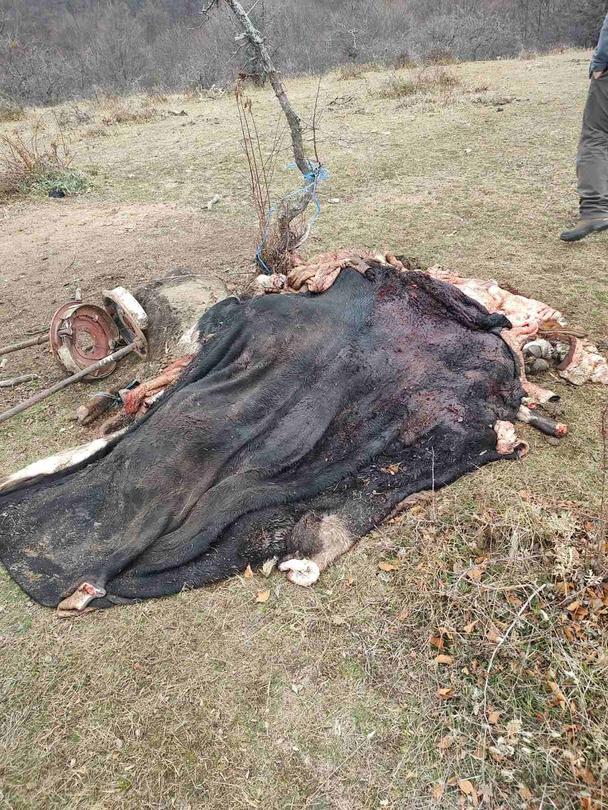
point(80, 334)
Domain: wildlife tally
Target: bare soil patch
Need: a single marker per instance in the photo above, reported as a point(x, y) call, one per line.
point(49, 250)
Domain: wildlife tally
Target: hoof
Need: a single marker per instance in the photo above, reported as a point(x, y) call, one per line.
point(301, 572)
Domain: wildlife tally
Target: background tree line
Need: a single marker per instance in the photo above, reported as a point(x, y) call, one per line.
point(51, 50)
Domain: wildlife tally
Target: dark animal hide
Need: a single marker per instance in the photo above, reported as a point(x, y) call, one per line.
point(285, 422)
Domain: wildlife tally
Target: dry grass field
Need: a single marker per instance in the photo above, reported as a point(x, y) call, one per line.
point(458, 656)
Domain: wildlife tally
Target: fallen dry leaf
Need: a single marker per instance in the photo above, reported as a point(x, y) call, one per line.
point(438, 791)
point(248, 574)
point(446, 742)
point(475, 574)
point(392, 469)
point(389, 565)
point(467, 787)
point(513, 600)
point(468, 628)
point(525, 793)
point(437, 641)
point(268, 566)
point(559, 699)
point(445, 693)
point(494, 636)
point(444, 659)
point(262, 596)
point(494, 717)
point(585, 775)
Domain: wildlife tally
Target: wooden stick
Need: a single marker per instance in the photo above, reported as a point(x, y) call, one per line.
point(23, 344)
point(18, 380)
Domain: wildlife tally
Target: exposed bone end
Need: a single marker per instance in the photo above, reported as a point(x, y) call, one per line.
point(301, 572)
point(274, 283)
point(189, 341)
point(542, 423)
point(507, 441)
point(540, 348)
point(535, 394)
point(77, 601)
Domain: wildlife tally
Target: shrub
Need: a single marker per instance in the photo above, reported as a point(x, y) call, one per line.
point(96, 131)
point(351, 70)
point(194, 92)
point(28, 164)
point(419, 82)
point(527, 54)
point(121, 111)
point(439, 56)
point(155, 96)
point(404, 60)
point(125, 46)
point(73, 116)
point(10, 110)
point(399, 86)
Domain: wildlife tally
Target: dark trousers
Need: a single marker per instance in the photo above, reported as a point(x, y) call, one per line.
point(592, 160)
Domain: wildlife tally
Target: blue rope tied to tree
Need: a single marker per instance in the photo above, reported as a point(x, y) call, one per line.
point(312, 178)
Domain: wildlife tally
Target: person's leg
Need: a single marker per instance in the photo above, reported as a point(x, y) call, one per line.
point(592, 159)
point(592, 164)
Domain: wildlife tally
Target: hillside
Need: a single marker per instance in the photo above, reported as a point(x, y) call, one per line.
point(473, 671)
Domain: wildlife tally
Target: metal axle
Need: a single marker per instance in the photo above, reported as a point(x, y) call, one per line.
point(47, 392)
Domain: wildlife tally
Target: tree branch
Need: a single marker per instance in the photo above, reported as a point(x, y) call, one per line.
point(293, 119)
point(279, 239)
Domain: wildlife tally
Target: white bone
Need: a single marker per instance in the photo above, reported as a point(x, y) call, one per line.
point(301, 572)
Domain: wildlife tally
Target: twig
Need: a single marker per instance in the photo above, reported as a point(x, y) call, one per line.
point(509, 630)
point(253, 6)
point(69, 266)
point(314, 122)
point(258, 177)
point(603, 509)
point(24, 344)
point(23, 378)
point(209, 6)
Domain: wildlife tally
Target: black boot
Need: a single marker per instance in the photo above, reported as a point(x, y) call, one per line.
point(584, 228)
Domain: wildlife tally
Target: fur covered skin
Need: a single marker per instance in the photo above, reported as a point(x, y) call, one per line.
point(275, 443)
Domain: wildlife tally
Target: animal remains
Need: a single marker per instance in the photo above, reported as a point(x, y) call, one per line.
point(300, 424)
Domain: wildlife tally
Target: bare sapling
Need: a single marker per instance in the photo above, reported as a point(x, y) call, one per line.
point(282, 233)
